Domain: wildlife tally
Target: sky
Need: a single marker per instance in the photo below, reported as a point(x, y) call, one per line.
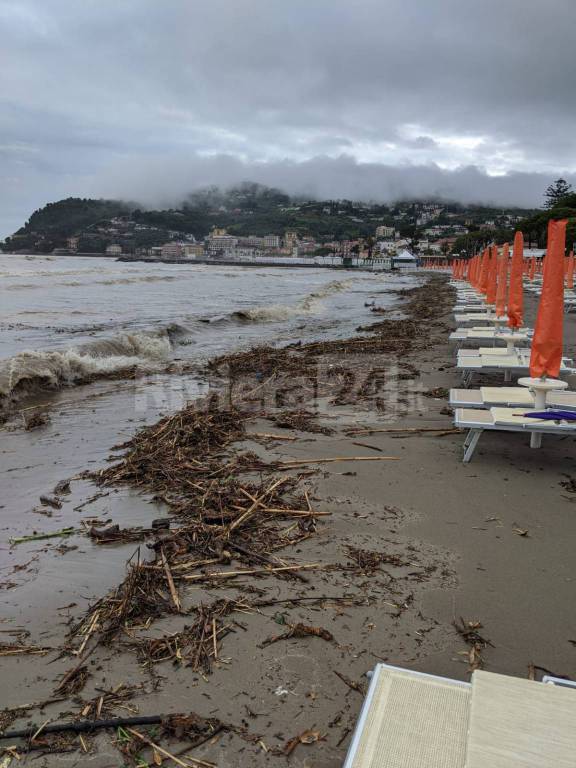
point(148, 100)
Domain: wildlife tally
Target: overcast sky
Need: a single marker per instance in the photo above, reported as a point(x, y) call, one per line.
point(148, 99)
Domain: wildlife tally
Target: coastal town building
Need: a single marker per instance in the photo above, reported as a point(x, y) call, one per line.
point(385, 232)
point(291, 238)
point(405, 259)
point(193, 250)
point(114, 250)
point(271, 241)
point(172, 250)
point(72, 243)
point(219, 241)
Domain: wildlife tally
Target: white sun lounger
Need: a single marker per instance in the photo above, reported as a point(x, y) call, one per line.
point(479, 317)
point(470, 362)
point(486, 333)
point(476, 421)
point(514, 397)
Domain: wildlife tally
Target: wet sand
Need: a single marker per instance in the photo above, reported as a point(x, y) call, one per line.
point(455, 528)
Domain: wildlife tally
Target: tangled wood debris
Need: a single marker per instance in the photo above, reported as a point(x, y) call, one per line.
point(197, 645)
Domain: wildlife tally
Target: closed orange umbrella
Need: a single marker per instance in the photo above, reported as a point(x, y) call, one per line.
point(570, 271)
point(492, 276)
point(484, 263)
point(515, 296)
point(546, 357)
point(502, 281)
point(532, 269)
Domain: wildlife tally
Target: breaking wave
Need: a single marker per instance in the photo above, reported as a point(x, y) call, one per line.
point(310, 304)
point(31, 372)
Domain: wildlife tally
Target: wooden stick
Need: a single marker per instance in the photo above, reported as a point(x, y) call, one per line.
point(350, 683)
point(302, 462)
point(214, 638)
point(359, 432)
point(231, 574)
point(367, 445)
point(297, 512)
point(195, 761)
point(271, 436)
point(40, 730)
point(91, 629)
point(250, 511)
point(261, 558)
point(170, 580)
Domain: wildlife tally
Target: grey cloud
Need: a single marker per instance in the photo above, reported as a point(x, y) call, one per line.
point(100, 85)
point(166, 181)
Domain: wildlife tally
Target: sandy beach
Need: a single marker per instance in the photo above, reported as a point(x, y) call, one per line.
point(387, 538)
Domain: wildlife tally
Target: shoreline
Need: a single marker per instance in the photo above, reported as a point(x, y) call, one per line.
point(406, 546)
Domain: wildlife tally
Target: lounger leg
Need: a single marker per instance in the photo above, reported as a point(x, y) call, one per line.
point(470, 444)
point(535, 440)
point(507, 376)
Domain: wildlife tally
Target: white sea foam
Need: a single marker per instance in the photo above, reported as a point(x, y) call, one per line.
point(310, 304)
point(34, 371)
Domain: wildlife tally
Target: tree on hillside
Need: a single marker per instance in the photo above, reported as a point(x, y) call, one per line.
point(556, 192)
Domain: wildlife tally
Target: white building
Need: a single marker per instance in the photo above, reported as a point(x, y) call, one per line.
point(218, 243)
point(387, 246)
point(271, 241)
point(114, 250)
point(385, 232)
point(405, 259)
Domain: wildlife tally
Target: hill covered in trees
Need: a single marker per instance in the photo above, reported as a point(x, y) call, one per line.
point(247, 209)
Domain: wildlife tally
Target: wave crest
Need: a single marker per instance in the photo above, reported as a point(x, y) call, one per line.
point(309, 305)
point(30, 372)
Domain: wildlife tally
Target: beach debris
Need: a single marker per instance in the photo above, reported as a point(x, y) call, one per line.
point(521, 532)
point(40, 536)
point(299, 631)
point(62, 488)
point(366, 561)
point(35, 419)
point(302, 421)
point(197, 645)
point(191, 762)
point(138, 599)
point(73, 681)
point(270, 437)
point(569, 484)
point(51, 501)
point(302, 462)
point(106, 702)
point(403, 430)
point(468, 631)
point(358, 687)
point(367, 445)
point(307, 737)
point(114, 533)
point(440, 393)
point(18, 649)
